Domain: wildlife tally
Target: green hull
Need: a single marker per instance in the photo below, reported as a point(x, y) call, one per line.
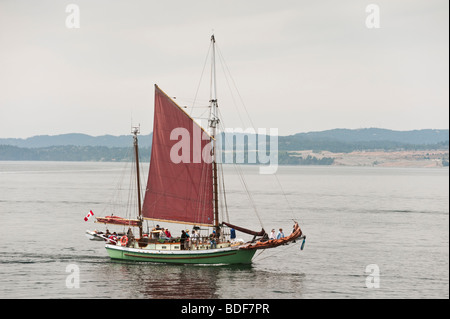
point(214, 256)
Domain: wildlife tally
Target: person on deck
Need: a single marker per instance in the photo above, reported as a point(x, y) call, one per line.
point(182, 239)
point(280, 234)
point(272, 234)
point(232, 234)
point(130, 237)
point(168, 234)
point(187, 241)
point(194, 237)
point(212, 239)
point(293, 230)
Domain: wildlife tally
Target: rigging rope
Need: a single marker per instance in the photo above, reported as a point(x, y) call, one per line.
point(231, 83)
point(224, 208)
point(222, 60)
point(223, 63)
point(201, 77)
point(242, 178)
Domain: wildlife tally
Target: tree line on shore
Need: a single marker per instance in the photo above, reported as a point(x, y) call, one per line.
point(123, 154)
point(335, 141)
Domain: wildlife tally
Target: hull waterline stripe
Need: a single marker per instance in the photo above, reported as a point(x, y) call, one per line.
point(180, 257)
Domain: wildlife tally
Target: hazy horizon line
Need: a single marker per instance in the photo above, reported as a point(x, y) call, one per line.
point(315, 131)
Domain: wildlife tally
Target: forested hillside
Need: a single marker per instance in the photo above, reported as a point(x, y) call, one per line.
point(81, 147)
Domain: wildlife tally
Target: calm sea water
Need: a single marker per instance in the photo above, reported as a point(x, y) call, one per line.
point(355, 219)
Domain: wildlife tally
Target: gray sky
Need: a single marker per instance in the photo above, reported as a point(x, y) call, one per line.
point(299, 66)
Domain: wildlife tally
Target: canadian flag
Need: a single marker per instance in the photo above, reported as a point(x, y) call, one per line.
point(88, 216)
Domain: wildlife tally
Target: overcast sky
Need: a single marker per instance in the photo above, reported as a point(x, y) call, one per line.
point(299, 66)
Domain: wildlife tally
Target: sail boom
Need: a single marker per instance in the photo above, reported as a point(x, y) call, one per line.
point(178, 222)
point(245, 230)
point(115, 220)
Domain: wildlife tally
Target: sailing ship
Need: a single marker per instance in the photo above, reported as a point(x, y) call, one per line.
point(185, 190)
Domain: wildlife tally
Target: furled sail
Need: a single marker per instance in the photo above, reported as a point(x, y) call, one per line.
point(116, 220)
point(180, 186)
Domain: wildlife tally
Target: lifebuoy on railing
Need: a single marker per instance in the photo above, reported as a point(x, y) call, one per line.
point(124, 240)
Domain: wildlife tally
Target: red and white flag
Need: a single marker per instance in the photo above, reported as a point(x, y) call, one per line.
point(88, 216)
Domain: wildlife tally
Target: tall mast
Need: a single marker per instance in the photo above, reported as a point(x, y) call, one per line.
point(213, 121)
point(138, 181)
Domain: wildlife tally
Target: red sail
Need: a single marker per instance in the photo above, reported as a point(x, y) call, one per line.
point(180, 178)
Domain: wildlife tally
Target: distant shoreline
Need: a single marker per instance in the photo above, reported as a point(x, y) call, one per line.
point(338, 147)
point(370, 158)
point(420, 158)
